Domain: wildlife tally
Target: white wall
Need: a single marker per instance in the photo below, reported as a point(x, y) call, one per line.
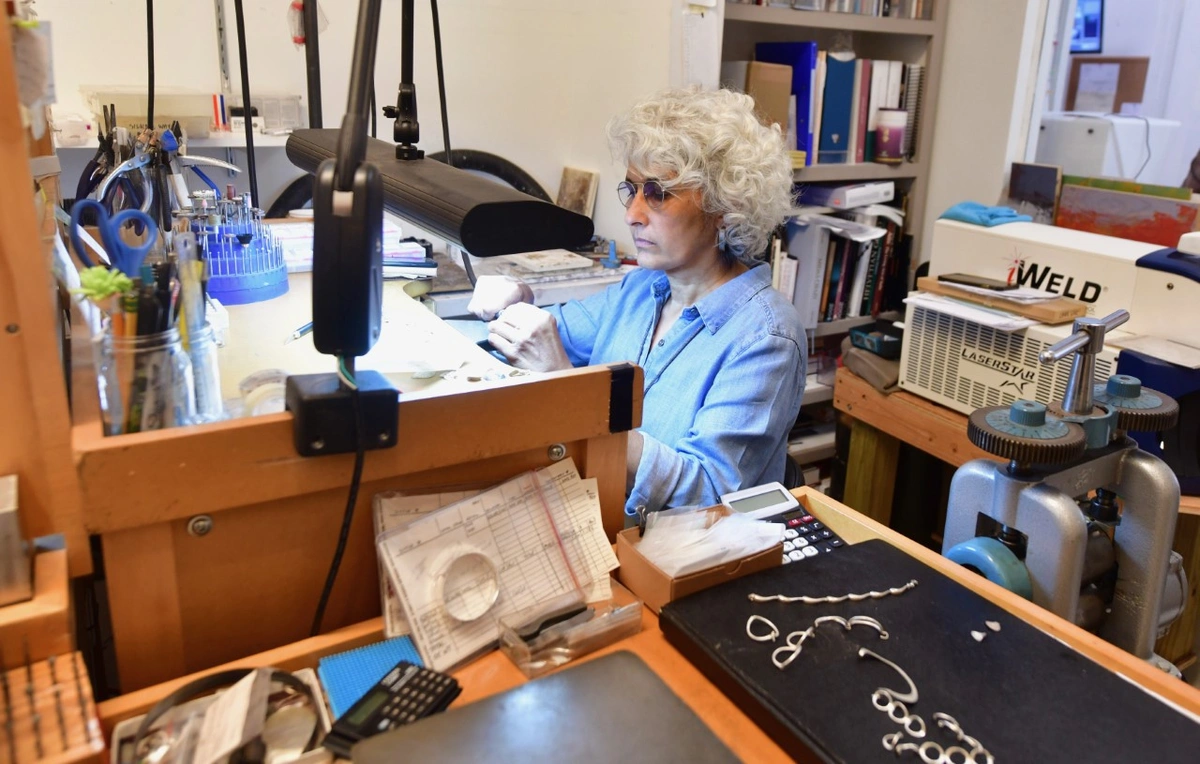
point(988, 83)
point(531, 80)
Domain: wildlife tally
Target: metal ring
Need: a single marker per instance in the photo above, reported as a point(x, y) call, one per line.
point(930, 745)
point(908, 697)
point(765, 637)
point(794, 649)
point(885, 703)
point(891, 740)
point(966, 757)
point(970, 741)
point(832, 619)
point(906, 747)
point(895, 707)
point(988, 759)
point(946, 721)
point(920, 731)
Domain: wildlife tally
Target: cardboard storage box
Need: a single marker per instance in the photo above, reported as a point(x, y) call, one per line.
point(656, 588)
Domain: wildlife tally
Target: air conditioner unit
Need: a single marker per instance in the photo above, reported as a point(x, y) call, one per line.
point(965, 365)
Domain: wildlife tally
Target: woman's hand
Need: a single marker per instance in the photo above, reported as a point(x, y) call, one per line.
point(495, 293)
point(528, 338)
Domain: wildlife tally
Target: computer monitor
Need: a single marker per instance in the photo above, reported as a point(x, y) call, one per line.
point(1088, 34)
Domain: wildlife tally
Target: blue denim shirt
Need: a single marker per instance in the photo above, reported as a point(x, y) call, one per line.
point(722, 387)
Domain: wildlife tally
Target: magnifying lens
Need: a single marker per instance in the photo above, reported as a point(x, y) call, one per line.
point(469, 585)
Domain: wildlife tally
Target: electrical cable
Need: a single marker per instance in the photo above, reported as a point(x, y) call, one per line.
point(247, 109)
point(149, 64)
point(346, 375)
point(374, 116)
point(441, 78)
point(1145, 120)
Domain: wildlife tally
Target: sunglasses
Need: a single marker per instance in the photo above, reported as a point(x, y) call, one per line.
point(653, 192)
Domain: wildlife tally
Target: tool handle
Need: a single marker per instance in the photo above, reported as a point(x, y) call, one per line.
point(1083, 336)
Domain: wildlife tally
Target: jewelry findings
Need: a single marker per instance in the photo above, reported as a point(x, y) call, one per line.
point(795, 643)
point(908, 697)
point(854, 620)
point(894, 591)
point(770, 637)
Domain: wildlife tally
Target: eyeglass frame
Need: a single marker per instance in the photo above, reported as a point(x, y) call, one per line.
point(640, 188)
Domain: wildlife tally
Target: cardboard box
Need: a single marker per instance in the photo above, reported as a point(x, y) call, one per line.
point(656, 588)
point(770, 85)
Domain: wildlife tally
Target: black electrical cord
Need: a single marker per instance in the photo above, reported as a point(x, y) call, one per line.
point(150, 64)
point(374, 116)
point(348, 515)
point(437, 54)
point(247, 109)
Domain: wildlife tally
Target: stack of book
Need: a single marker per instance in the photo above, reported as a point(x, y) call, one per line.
point(837, 99)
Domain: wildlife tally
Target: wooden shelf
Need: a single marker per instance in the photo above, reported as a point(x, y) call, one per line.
point(761, 14)
point(819, 173)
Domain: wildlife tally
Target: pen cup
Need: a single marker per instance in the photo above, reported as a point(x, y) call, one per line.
point(202, 349)
point(144, 381)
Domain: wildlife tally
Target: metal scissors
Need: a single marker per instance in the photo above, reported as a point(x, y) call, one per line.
point(127, 258)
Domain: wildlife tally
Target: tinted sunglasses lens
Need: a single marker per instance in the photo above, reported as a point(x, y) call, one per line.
point(654, 192)
point(625, 192)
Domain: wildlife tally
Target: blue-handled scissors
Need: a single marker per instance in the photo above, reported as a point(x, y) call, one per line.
point(127, 258)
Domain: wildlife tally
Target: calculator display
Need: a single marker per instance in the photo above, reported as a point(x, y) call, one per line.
point(760, 501)
point(368, 707)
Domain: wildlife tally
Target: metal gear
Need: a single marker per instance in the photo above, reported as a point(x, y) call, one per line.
point(1022, 432)
point(1139, 409)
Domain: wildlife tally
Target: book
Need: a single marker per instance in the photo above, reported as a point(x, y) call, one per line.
point(864, 105)
point(818, 98)
point(914, 93)
point(835, 117)
point(802, 57)
point(835, 249)
point(875, 100)
point(787, 277)
point(855, 112)
point(346, 676)
point(809, 245)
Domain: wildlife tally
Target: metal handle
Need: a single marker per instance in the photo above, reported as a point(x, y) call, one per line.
point(1083, 337)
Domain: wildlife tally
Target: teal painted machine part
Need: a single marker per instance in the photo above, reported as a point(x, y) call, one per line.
point(995, 561)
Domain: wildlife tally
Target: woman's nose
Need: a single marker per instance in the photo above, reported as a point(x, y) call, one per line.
point(636, 211)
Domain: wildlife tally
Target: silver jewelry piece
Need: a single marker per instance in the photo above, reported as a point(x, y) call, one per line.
point(929, 758)
point(956, 749)
point(793, 646)
point(908, 697)
point(891, 740)
point(771, 637)
point(897, 590)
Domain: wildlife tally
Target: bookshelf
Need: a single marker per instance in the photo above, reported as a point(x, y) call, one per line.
point(907, 40)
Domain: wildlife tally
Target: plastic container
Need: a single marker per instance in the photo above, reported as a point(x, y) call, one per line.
point(537, 645)
point(880, 337)
point(144, 382)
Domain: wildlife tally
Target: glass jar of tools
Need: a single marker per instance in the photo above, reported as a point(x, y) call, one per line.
point(144, 381)
point(202, 349)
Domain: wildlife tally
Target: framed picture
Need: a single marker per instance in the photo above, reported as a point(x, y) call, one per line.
point(577, 190)
point(1088, 34)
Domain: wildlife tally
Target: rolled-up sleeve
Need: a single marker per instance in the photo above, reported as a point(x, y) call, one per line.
point(579, 323)
point(736, 434)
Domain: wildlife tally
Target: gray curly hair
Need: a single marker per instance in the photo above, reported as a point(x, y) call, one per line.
point(711, 140)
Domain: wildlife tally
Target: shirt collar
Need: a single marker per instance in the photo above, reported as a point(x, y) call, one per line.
point(716, 307)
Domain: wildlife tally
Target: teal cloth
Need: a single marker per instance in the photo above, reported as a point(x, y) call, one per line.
point(979, 214)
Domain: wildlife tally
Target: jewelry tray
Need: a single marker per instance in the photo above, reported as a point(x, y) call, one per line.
point(1021, 693)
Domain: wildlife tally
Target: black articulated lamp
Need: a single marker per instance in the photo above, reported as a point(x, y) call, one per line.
point(356, 178)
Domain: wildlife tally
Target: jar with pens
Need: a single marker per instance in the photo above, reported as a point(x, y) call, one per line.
point(156, 364)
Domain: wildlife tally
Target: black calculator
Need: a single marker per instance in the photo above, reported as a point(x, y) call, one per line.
point(405, 694)
point(806, 536)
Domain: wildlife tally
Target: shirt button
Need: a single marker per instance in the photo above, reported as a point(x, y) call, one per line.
point(661, 343)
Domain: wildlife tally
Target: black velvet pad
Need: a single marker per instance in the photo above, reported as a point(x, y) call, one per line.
point(1025, 696)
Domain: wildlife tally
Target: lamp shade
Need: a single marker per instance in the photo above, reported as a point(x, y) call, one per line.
point(483, 217)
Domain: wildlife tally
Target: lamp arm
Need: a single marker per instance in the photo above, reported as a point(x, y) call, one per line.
point(352, 142)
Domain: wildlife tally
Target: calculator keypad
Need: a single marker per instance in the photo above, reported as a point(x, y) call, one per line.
point(805, 536)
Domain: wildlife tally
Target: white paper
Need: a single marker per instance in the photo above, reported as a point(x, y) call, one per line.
point(296, 240)
point(392, 511)
point(1163, 349)
point(1021, 295)
point(847, 228)
point(528, 527)
point(234, 718)
point(997, 319)
point(1097, 90)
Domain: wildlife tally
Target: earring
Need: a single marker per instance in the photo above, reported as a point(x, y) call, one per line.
point(769, 637)
point(721, 242)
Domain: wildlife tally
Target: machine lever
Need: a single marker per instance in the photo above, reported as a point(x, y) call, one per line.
point(1082, 337)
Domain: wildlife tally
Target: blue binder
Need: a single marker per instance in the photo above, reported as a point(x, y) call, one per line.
point(802, 57)
point(835, 145)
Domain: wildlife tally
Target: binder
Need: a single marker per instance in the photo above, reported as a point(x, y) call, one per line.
point(835, 116)
point(802, 57)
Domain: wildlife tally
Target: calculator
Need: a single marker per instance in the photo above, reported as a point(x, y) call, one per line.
point(405, 694)
point(806, 536)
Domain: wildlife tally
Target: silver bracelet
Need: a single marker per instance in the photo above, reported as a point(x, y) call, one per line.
point(834, 600)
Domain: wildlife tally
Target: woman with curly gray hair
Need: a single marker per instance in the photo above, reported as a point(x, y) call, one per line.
point(723, 353)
